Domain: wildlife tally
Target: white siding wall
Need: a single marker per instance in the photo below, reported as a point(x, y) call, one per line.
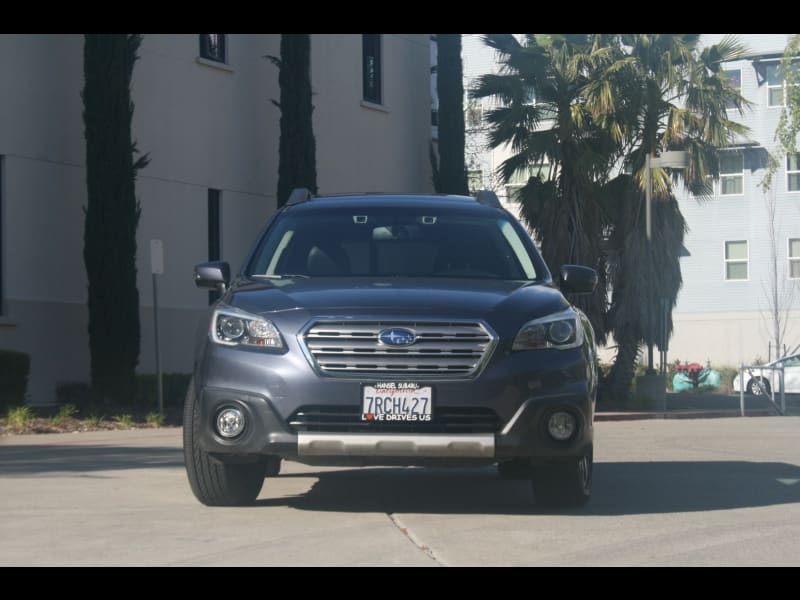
point(727, 321)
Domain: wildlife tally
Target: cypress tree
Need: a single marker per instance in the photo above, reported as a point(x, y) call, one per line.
point(297, 165)
point(452, 176)
point(111, 214)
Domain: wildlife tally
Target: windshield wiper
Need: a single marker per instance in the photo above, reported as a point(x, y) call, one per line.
point(281, 276)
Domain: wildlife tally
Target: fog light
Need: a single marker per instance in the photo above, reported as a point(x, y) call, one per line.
point(561, 426)
point(230, 422)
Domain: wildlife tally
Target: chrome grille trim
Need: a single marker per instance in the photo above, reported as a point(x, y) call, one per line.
point(453, 349)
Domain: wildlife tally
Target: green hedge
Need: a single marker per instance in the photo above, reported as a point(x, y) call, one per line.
point(145, 400)
point(14, 370)
point(175, 385)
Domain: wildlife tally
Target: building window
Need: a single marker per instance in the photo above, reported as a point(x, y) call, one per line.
point(214, 235)
point(794, 258)
point(371, 65)
point(776, 83)
point(212, 46)
point(520, 178)
point(734, 77)
point(731, 173)
point(793, 172)
point(474, 180)
point(736, 260)
point(473, 115)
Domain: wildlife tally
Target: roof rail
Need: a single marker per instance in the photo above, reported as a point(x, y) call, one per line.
point(299, 195)
point(488, 198)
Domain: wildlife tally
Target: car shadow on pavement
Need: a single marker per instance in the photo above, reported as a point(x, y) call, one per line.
point(43, 459)
point(619, 489)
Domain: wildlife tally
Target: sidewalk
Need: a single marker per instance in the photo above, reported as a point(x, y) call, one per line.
point(700, 406)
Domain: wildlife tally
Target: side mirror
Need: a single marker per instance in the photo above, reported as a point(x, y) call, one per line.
point(212, 275)
point(577, 279)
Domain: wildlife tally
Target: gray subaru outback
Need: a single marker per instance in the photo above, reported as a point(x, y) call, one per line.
point(392, 330)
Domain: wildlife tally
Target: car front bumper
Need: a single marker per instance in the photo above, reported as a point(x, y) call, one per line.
point(267, 434)
point(522, 388)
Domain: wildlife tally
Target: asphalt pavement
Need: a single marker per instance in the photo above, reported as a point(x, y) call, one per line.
point(667, 492)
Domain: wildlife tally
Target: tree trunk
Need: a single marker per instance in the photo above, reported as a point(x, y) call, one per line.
point(297, 166)
point(624, 369)
point(452, 176)
point(111, 214)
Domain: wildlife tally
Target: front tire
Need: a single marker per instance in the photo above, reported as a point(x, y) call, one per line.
point(565, 482)
point(758, 386)
point(215, 483)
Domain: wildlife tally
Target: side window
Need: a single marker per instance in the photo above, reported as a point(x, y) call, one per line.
point(793, 172)
point(731, 174)
point(777, 83)
point(734, 77)
point(774, 85)
point(736, 260)
point(212, 47)
point(794, 258)
point(372, 68)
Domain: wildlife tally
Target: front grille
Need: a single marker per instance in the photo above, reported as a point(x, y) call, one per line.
point(452, 349)
point(347, 419)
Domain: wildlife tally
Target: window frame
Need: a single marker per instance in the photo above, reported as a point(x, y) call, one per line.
point(731, 175)
point(727, 261)
point(366, 38)
point(475, 174)
point(772, 86)
point(783, 85)
point(793, 259)
point(543, 169)
point(726, 71)
point(205, 44)
point(792, 172)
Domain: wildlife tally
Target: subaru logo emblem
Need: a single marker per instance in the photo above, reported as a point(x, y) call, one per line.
point(397, 336)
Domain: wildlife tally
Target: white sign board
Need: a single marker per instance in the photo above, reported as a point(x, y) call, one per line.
point(676, 159)
point(156, 257)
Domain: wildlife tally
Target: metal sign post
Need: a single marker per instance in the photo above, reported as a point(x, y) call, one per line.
point(157, 268)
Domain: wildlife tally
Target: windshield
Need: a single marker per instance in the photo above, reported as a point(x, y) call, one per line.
point(386, 243)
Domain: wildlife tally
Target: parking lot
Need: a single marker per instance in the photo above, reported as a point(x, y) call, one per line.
point(667, 492)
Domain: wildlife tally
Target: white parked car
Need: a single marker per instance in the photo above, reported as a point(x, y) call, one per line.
point(769, 377)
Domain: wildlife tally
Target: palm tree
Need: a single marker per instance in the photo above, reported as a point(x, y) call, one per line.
point(663, 94)
point(543, 119)
point(588, 104)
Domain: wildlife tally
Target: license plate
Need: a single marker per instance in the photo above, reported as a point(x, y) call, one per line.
point(397, 401)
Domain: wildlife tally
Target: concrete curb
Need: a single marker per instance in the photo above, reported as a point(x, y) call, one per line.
point(680, 414)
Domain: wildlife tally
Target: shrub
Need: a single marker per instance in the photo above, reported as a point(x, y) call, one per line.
point(95, 420)
point(76, 393)
point(155, 419)
point(728, 374)
point(65, 412)
point(19, 417)
point(124, 420)
point(14, 370)
point(175, 385)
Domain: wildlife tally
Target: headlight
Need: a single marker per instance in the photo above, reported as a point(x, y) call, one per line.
point(562, 330)
point(233, 327)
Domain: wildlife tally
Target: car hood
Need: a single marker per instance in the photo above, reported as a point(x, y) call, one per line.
point(457, 298)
